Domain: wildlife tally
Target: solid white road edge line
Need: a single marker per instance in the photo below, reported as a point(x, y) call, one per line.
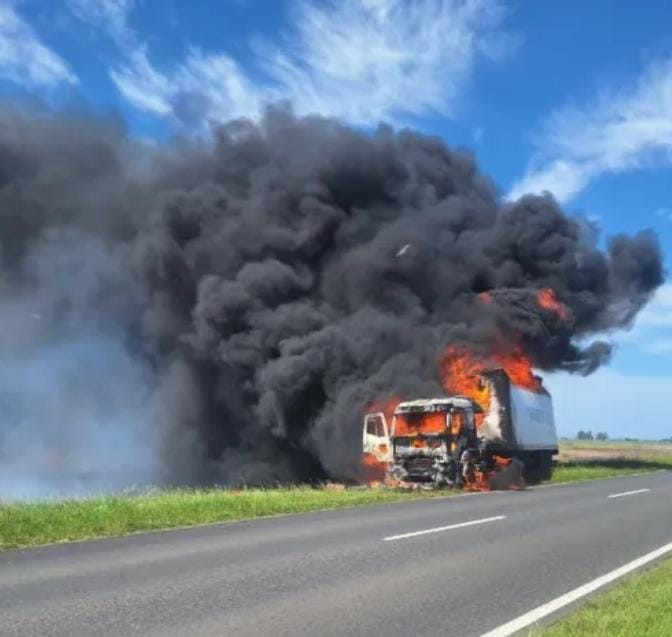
point(535, 615)
point(620, 495)
point(444, 528)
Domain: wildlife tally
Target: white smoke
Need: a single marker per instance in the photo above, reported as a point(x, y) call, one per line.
point(77, 411)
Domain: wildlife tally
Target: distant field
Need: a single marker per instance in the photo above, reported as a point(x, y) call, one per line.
point(596, 449)
point(640, 606)
point(590, 459)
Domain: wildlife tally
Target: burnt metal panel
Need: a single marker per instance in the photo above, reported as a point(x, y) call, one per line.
point(501, 387)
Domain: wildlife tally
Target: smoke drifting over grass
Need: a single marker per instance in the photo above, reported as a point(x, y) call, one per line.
point(224, 311)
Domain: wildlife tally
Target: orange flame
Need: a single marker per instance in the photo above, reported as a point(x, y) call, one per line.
point(422, 423)
point(479, 483)
point(548, 300)
point(519, 369)
point(500, 477)
point(461, 372)
point(373, 469)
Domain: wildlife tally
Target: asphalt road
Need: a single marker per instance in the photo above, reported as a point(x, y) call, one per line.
point(334, 573)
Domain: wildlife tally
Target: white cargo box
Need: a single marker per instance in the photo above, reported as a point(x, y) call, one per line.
point(532, 419)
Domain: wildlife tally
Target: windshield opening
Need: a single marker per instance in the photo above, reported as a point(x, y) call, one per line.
point(420, 423)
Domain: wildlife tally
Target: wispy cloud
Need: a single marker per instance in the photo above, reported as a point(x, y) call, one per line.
point(110, 15)
point(361, 60)
point(136, 77)
point(142, 85)
point(210, 86)
point(24, 59)
point(622, 129)
point(367, 60)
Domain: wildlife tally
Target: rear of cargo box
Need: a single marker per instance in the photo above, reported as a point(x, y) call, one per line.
point(521, 424)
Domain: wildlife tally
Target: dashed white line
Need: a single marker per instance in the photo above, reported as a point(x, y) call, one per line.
point(439, 529)
point(620, 495)
point(554, 605)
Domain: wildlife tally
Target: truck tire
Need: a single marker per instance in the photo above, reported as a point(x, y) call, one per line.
point(538, 466)
point(546, 465)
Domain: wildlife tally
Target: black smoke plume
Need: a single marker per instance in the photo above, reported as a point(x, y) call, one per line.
point(259, 289)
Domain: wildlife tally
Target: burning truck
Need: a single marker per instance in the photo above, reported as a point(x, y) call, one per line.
point(489, 437)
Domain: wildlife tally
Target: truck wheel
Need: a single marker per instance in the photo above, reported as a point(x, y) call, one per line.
point(538, 467)
point(546, 466)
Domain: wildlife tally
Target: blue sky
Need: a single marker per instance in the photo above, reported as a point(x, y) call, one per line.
point(572, 97)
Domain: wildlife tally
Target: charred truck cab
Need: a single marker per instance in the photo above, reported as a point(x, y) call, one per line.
point(433, 440)
point(451, 441)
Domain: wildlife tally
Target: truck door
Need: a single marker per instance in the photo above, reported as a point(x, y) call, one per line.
point(376, 438)
point(456, 422)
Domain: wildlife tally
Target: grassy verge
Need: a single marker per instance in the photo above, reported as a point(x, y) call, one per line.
point(30, 524)
point(580, 470)
point(34, 523)
point(641, 606)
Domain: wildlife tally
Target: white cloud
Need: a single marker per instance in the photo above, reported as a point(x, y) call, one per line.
point(142, 85)
point(561, 177)
point(217, 86)
point(368, 60)
point(622, 129)
point(24, 59)
point(361, 60)
point(202, 84)
point(110, 15)
point(211, 86)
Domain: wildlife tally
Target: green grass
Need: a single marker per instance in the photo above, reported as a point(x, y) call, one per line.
point(577, 471)
point(33, 523)
point(641, 606)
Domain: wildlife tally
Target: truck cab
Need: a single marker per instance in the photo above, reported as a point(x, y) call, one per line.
point(452, 440)
point(428, 441)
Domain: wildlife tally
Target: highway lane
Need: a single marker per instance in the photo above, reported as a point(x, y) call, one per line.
point(453, 566)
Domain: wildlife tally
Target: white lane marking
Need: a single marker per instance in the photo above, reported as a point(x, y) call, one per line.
point(620, 495)
point(438, 529)
point(536, 614)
